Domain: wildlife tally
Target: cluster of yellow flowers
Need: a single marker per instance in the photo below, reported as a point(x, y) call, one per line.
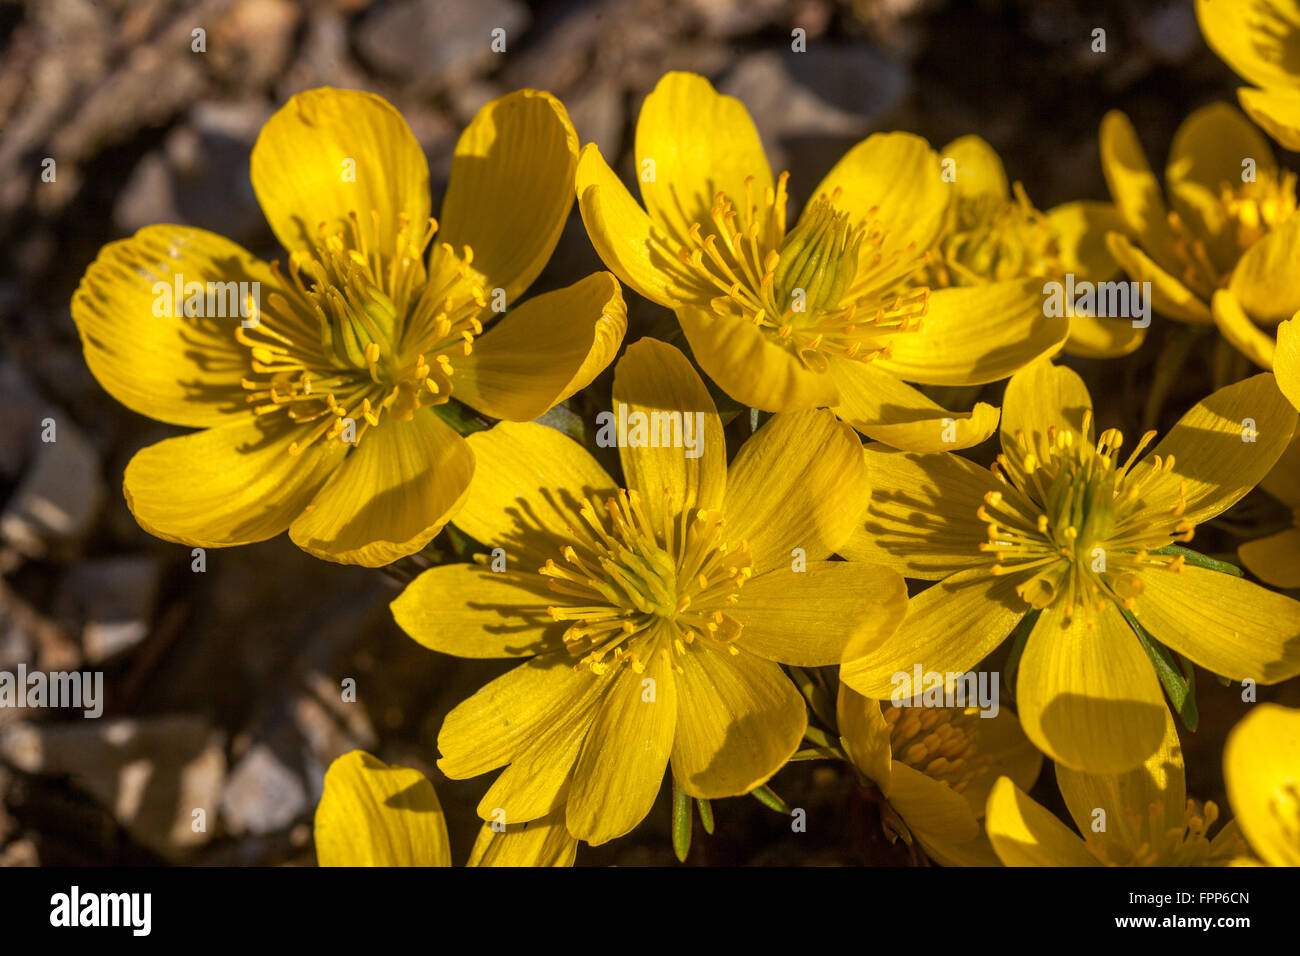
point(716, 619)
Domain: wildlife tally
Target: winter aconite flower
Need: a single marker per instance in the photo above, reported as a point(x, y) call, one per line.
point(1261, 765)
point(1139, 818)
point(1226, 249)
point(373, 814)
point(315, 381)
point(995, 234)
point(1078, 529)
point(649, 619)
point(935, 767)
point(1258, 40)
point(824, 311)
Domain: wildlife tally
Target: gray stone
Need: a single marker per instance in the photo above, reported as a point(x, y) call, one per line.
point(438, 43)
point(152, 774)
point(60, 495)
point(263, 794)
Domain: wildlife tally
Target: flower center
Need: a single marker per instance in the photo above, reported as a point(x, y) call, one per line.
point(824, 289)
point(1249, 212)
point(352, 334)
point(995, 239)
point(1074, 522)
point(629, 584)
point(941, 742)
point(1148, 842)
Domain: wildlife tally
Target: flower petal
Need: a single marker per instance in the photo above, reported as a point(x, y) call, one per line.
point(976, 334)
point(373, 814)
point(1266, 280)
point(865, 735)
point(327, 153)
point(701, 143)
point(391, 495)
point(181, 369)
point(682, 464)
point(1277, 111)
point(1003, 751)
point(949, 628)
point(529, 481)
point(230, 485)
point(1168, 295)
point(1089, 696)
point(1206, 153)
point(626, 239)
point(1081, 228)
point(921, 520)
point(1025, 834)
point(544, 842)
point(739, 720)
point(1259, 765)
point(1247, 337)
point(1133, 185)
point(621, 768)
point(1286, 359)
point(1093, 337)
point(830, 612)
point(1274, 559)
point(935, 813)
point(545, 350)
point(469, 611)
point(881, 407)
point(1129, 798)
point(978, 168)
point(798, 482)
point(1038, 399)
point(492, 727)
point(511, 187)
point(894, 182)
point(1226, 624)
point(1222, 448)
point(754, 370)
point(1253, 38)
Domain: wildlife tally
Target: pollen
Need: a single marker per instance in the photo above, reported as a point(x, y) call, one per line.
point(940, 742)
point(1076, 525)
point(629, 588)
point(351, 335)
point(822, 289)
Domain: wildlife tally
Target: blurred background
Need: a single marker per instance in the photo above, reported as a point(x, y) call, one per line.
point(222, 687)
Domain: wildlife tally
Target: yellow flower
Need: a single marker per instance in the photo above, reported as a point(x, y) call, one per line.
point(1261, 763)
point(1139, 818)
point(373, 814)
point(315, 385)
point(994, 234)
point(935, 767)
point(825, 313)
point(1227, 250)
point(651, 619)
point(1275, 558)
point(1258, 40)
point(1069, 528)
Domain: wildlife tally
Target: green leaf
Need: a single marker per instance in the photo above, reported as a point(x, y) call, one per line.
point(681, 822)
point(1198, 560)
point(818, 753)
point(815, 692)
point(706, 815)
point(1180, 688)
point(460, 417)
point(769, 799)
point(1019, 637)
